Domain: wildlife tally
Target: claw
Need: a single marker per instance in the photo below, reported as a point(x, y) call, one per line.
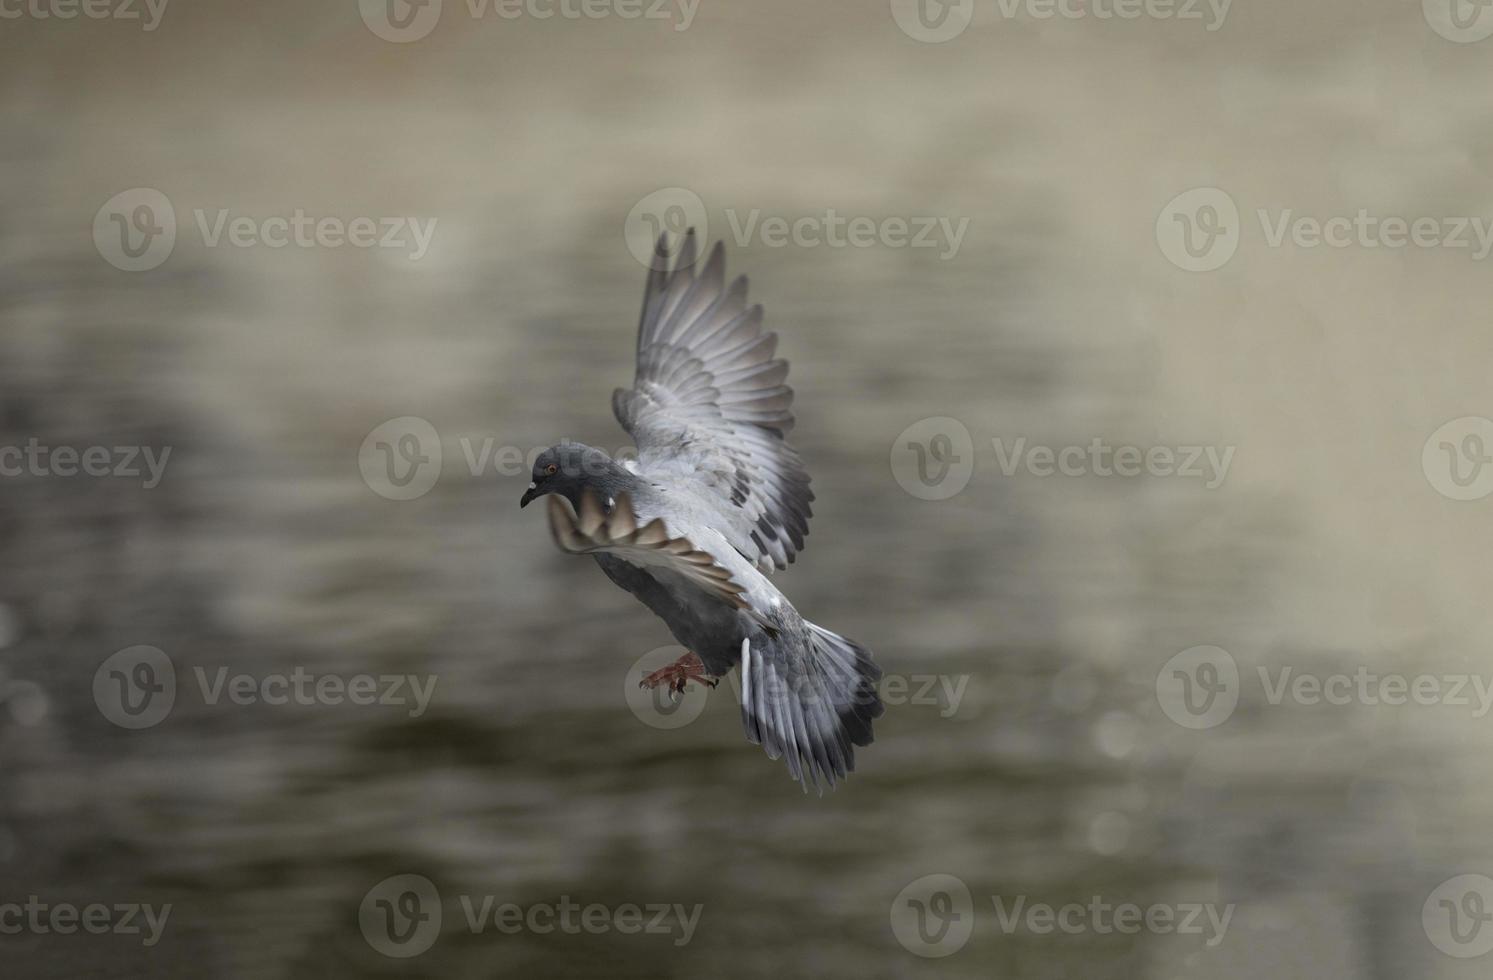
point(676, 675)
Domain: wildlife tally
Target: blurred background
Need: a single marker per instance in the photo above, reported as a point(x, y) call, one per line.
point(334, 428)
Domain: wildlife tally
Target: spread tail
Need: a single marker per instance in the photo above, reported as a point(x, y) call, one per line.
point(810, 707)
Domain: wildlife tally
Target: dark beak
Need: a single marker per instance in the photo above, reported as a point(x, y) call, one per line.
point(529, 495)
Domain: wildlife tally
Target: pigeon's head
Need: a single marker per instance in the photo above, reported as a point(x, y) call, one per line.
point(566, 469)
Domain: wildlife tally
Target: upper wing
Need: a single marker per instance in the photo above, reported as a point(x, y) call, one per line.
point(709, 410)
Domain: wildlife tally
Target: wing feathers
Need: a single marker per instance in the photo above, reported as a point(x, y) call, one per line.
point(592, 529)
point(709, 408)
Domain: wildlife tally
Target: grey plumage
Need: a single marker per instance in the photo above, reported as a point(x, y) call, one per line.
point(709, 408)
point(595, 529)
point(715, 502)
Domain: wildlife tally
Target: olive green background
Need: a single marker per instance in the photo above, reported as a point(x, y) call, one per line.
point(1059, 319)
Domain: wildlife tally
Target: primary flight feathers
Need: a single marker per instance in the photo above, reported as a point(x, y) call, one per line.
point(709, 405)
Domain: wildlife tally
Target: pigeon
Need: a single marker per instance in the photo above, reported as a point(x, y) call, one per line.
point(715, 501)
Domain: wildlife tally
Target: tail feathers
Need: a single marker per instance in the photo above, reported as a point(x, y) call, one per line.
point(857, 673)
point(810, 707)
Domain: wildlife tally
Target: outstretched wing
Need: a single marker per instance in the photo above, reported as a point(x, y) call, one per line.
point(709, 411)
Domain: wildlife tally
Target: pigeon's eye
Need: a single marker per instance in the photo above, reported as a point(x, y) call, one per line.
point(550, 469)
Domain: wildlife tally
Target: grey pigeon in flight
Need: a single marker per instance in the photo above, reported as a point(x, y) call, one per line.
point(715, 501)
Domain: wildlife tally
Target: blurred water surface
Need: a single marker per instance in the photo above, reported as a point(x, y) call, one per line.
point(1058, 777)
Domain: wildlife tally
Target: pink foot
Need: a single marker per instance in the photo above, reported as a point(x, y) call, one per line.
point(686, 668)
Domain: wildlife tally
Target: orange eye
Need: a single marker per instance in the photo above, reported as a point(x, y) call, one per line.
point(550, 469)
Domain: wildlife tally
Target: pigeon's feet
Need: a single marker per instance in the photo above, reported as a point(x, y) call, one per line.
point(686, 668)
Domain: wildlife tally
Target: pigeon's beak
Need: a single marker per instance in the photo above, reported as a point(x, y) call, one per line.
point(529, 495)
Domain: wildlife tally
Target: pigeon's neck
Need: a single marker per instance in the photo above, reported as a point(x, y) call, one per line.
point(604, 477)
